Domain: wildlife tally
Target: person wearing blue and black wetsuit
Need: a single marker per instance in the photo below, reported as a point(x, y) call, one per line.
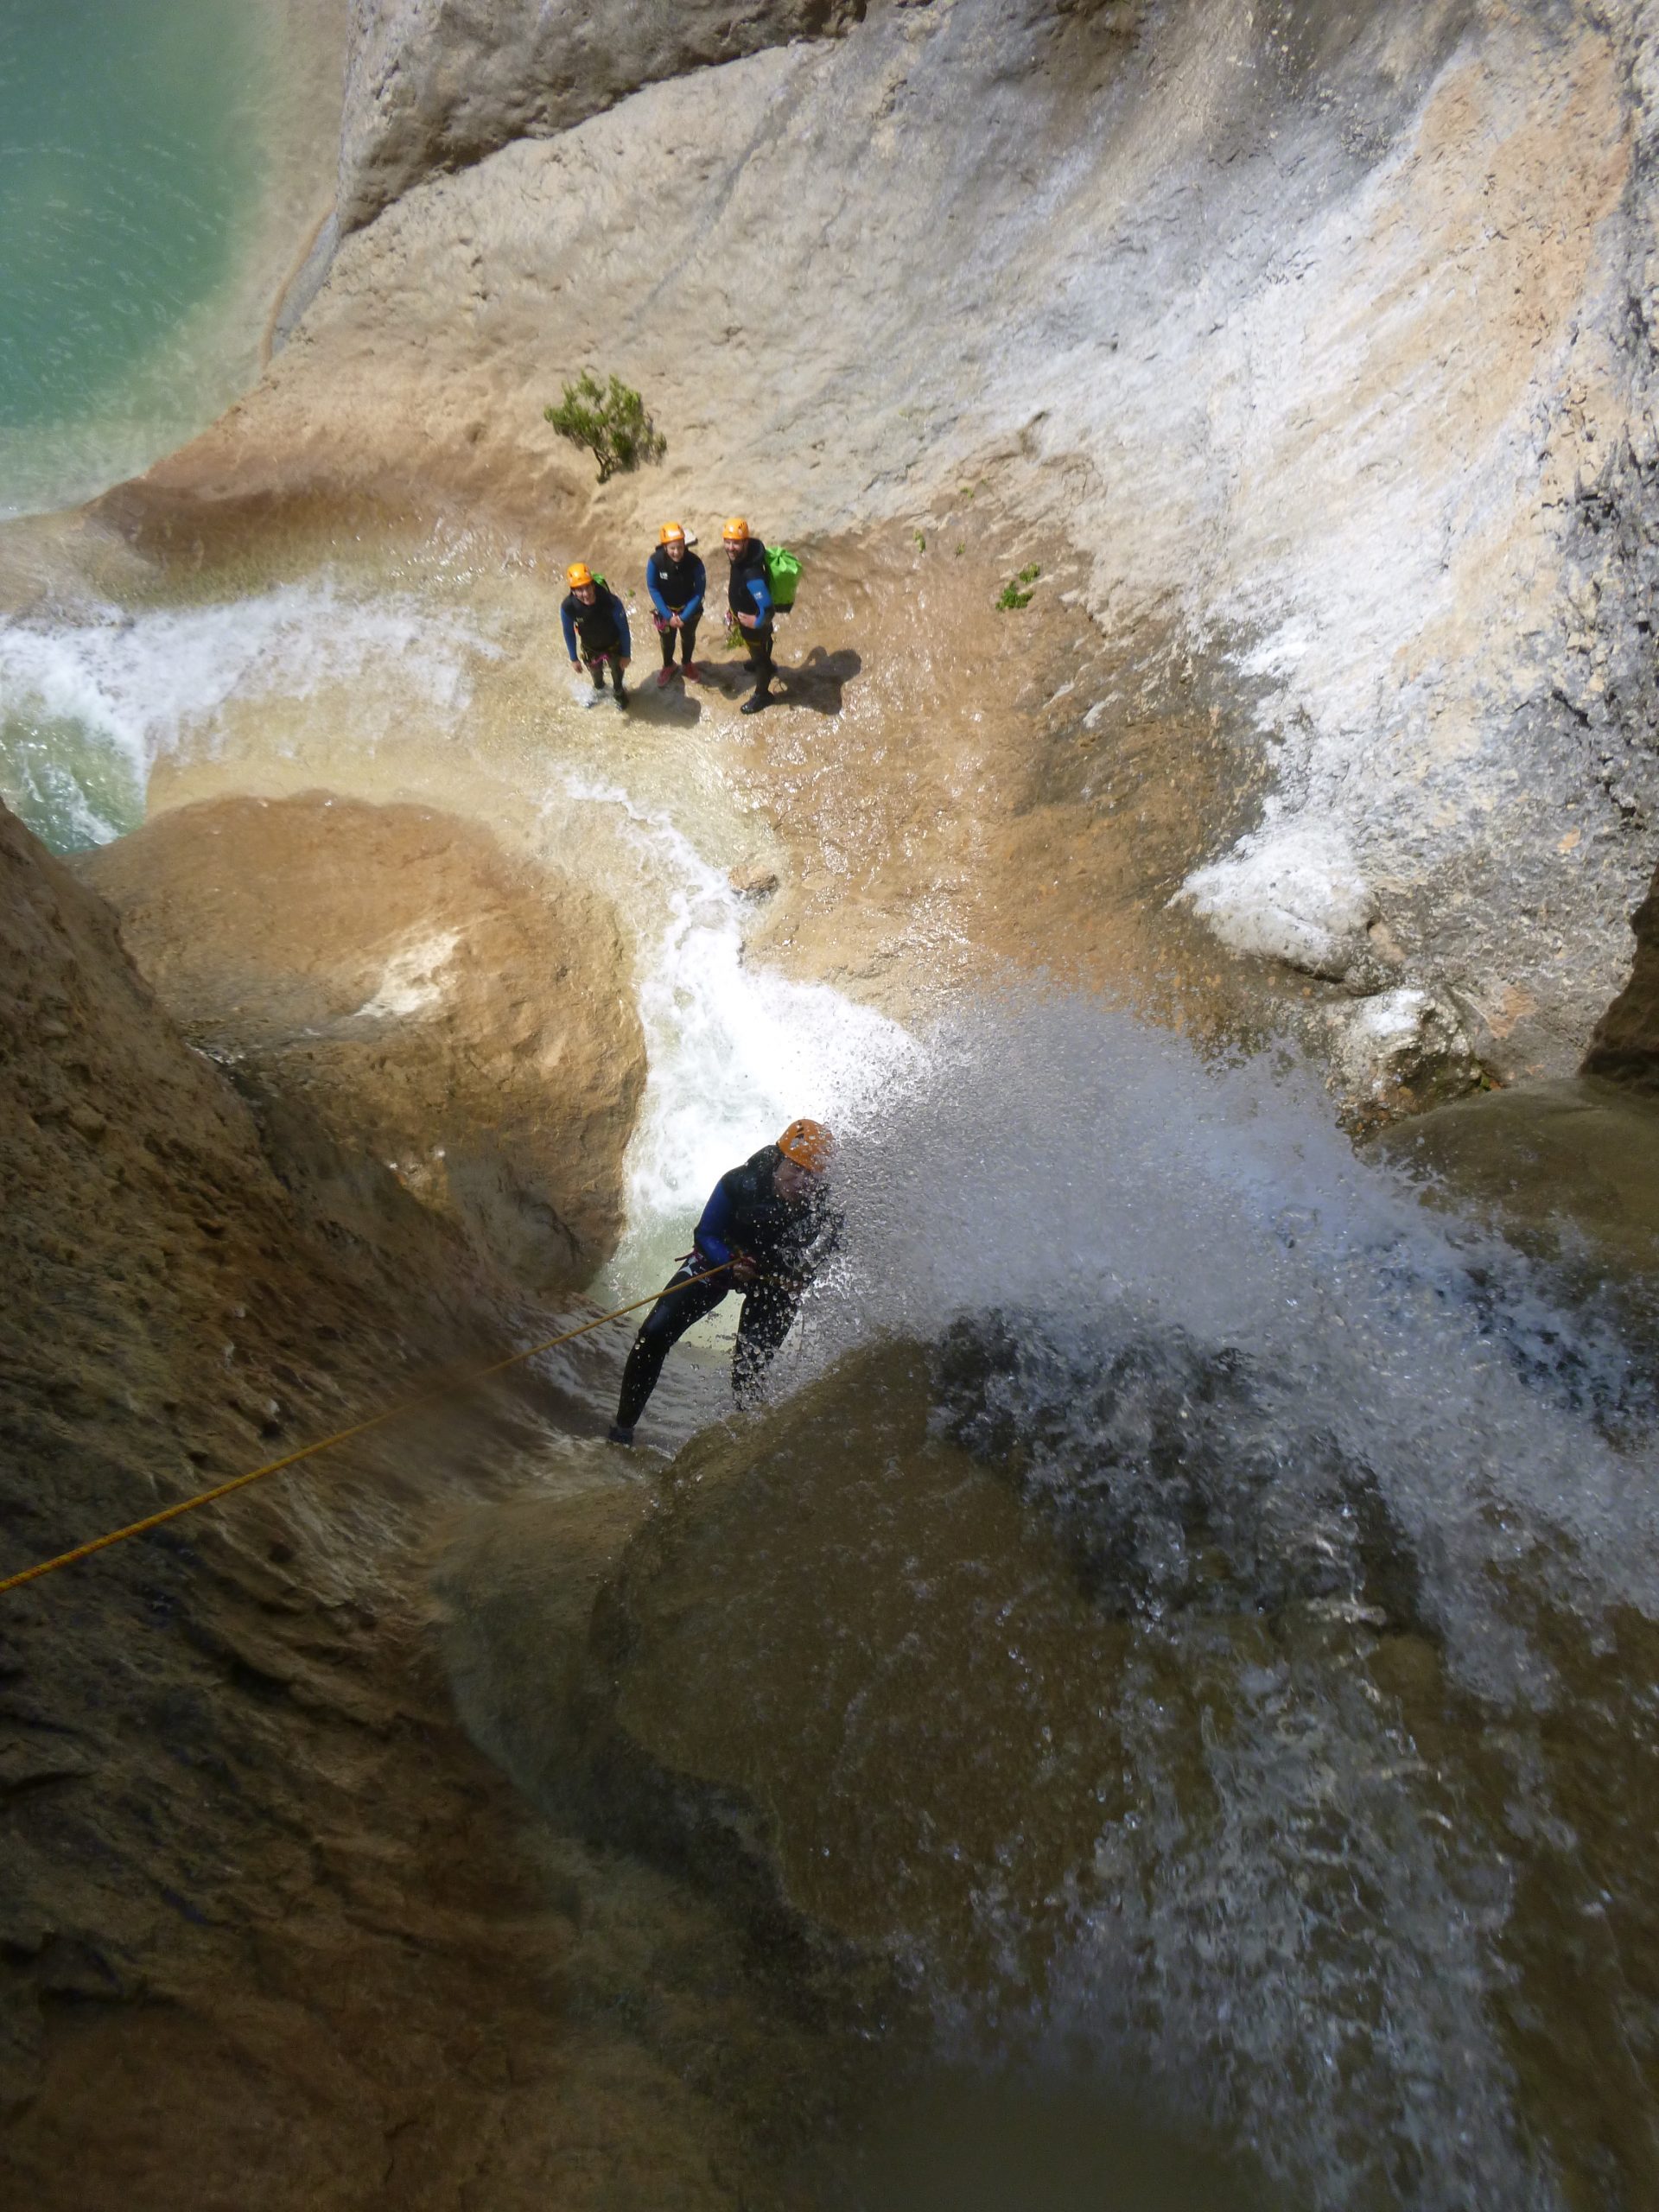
point(593, 617)
point(749, 597)
point(677, 580)
point(768, 1225)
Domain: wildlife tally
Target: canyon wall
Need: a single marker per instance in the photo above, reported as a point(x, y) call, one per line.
point(1311, 345)
point(1306, 352)
point(438, 84)
point(1626, 1046)
point(273, 1932)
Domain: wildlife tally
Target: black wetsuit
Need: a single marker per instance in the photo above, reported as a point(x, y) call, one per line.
point(602, 629)
point(748, 592)
point(788, 1240)
point(676, 587)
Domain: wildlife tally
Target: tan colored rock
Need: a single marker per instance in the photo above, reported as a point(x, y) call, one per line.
point(1569, 1168)
point(437, 84)
point(426, 1002)
point(754, 881)
point(275, 1934)
point(1309, 346)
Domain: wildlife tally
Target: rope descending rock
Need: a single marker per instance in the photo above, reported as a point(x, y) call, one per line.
point(326, 1443)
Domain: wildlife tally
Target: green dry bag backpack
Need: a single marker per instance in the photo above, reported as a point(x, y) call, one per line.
point(783, 575)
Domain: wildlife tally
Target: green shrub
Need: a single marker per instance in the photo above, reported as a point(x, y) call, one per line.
point(1011, 595)
point(612, 424)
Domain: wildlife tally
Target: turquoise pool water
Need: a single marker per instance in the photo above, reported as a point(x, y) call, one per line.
point(134, 163)
point(131, 160)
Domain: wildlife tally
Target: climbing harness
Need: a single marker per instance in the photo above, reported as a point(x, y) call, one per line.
point(326, 1444)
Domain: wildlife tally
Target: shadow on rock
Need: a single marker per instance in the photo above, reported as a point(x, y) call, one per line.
point(816, 683)
point(820, 679)
point(673, 704)
point(731, 678)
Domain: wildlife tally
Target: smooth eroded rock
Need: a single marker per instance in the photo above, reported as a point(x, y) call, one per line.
point(1301, 355)
point(425, 1000)
point(272, 1933)
point(437, 84)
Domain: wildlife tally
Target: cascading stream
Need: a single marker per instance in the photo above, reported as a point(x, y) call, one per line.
point(89, 706)
point(1182, 1639)
point(1323, 1516)
point(735, 1052)
point(1250, 1763)
point(91, 700)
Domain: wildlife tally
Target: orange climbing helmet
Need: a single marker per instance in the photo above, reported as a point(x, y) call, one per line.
point(736, 531)
point(671, 533)
point(577, 575)
point(809, 1144)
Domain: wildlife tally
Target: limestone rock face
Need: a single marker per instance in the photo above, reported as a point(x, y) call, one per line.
point(437, 84)
point(1397, 1052)
point(268, 1919)
point(390, 976)
point(1317, 340)
point(170, 1317)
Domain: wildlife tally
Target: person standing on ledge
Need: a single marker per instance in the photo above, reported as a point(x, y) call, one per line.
point(676, 580)
point(766, 1230)
point(592, 614)
point(749, 597)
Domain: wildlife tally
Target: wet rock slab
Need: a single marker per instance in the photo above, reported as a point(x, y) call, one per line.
point(386, 979)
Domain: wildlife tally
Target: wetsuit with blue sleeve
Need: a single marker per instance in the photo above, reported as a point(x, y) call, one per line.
point(600, 631)
point(749, 592)
point(676, 588)
point(745, 1217)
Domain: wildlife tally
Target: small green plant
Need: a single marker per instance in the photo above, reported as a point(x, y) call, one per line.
point(921, 543)
point(1011, 595)
point(611, 423)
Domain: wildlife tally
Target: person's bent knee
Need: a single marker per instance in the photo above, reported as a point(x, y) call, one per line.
point(658, 1327)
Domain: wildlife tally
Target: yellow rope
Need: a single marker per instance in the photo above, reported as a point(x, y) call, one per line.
point(310, 1451)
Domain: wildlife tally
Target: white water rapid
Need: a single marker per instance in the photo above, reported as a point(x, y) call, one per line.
point(91, 698)
point(1297, 1426)
point(92, 703)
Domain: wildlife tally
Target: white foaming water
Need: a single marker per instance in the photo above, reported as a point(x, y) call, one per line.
point(1306, 1946)
point(734, 1052)
point(1065, 1161)
point(88, 704)
point(1207, 1343)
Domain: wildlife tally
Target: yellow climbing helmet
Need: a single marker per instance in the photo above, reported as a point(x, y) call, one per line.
point(577, 575)
point(809, 1144)
point(736, 531)
point(671, 533)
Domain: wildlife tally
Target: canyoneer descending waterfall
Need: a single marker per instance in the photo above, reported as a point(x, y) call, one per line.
point(767, 1228)
point(677, 580)
point(594, 619)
